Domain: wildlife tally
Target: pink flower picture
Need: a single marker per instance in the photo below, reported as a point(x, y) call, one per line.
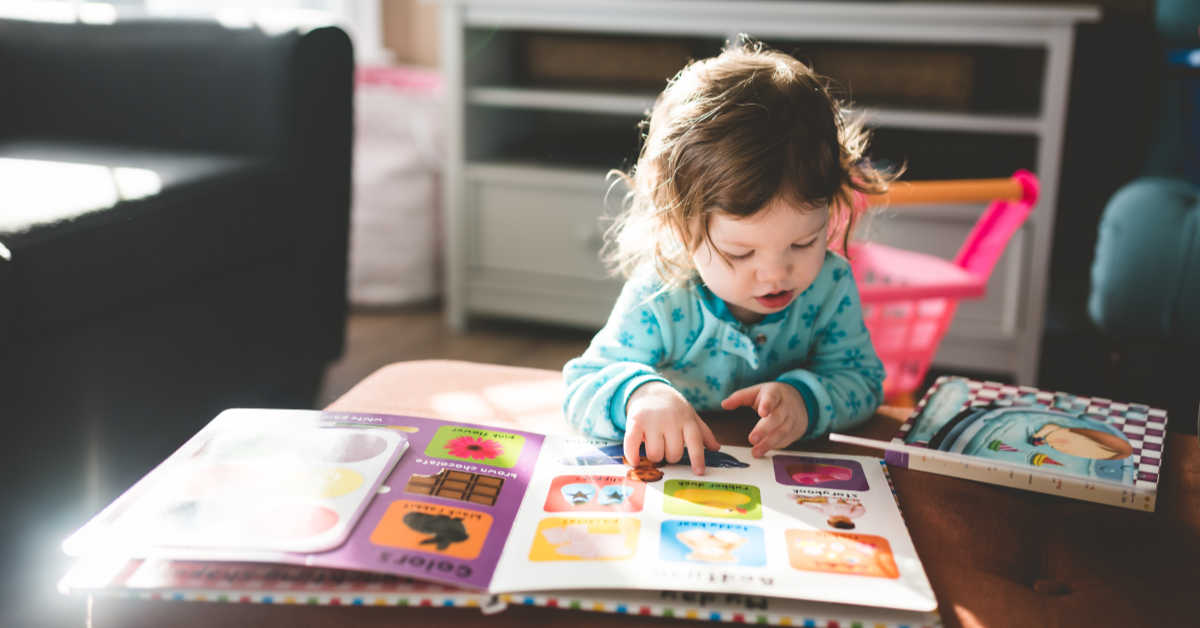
point(475, 448)
point(494, 449)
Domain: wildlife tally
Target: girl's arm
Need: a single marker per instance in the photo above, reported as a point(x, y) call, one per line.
point(623, 356)
point(842, 384)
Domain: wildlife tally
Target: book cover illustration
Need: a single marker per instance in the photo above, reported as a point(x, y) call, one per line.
point(1105, 444)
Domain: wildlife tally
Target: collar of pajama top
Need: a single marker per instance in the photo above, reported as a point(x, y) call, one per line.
point(742, 339)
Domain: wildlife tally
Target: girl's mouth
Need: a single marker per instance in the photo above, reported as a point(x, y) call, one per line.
point(775, 300)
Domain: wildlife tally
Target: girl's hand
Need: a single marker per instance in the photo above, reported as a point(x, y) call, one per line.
point(660, 417)
point(784, 419)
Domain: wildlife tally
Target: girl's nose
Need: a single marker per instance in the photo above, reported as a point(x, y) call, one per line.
point(774, 270)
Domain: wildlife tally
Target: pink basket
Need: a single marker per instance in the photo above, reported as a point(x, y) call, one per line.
point(909, 298)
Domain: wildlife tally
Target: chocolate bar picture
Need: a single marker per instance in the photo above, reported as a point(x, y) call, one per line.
point(468, 487)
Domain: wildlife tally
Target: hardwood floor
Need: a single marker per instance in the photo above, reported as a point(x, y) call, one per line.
point(377, 337)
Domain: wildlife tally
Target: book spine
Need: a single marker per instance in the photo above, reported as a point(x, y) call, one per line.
point(727, 613)
point(309, 598)
point(1032, 481)
point(493, 604)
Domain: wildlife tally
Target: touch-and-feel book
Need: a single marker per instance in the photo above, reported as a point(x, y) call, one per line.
point(487, 511)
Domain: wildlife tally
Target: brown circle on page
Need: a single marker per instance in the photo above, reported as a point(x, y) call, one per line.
point(840, 522)
point(645, 471)
point(644, 474)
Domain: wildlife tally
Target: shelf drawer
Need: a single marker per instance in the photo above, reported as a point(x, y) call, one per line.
point(538, 221)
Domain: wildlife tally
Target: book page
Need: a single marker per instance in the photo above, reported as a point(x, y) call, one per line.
point(800, 525)
point(449, 503)
point(254, 481)
point(440, 513)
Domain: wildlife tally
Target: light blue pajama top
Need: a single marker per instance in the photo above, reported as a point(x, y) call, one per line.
point(688, 338)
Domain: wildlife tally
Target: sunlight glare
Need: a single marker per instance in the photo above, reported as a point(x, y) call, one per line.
point(45, 11)
point(233, 18)
point(97, 13)
point(462, 406)
point(49, 191)
point(135, 183)
point(526, 397)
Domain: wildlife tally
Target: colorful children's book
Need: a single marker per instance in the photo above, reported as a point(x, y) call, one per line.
point(1050, 442)
point(491, 511)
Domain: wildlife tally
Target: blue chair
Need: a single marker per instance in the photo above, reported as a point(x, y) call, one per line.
point(1145, 292)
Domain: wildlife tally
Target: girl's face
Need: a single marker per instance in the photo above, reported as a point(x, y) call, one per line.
point(773, 256)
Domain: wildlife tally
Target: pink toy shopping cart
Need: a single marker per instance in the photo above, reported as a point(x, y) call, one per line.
point(909, 298)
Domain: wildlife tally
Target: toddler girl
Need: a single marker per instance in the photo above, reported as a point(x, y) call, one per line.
point(733, 297)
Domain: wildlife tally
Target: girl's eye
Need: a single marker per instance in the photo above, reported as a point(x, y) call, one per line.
point(745, 255)
point(805, 245)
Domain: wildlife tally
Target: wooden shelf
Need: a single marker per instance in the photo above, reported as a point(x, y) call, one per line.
point(879, 117)
point(589, 101)
point(532, 173)
point(584, 101)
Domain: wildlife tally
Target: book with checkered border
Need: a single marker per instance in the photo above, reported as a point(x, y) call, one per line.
point(1087, 448)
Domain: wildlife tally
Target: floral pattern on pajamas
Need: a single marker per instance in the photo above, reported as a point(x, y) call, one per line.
point(688, 338)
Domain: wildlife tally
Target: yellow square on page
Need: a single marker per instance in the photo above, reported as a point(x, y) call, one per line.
point(580, 538)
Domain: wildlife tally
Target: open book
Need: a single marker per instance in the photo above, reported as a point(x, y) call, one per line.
point(520, 516)
point(1051, 442)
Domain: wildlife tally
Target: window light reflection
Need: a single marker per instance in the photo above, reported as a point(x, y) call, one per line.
point(97, 13)
point(536, 406)
point(462, 406)
point(34, 192)
point(62, 12)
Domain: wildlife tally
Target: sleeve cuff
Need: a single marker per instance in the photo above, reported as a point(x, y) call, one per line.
point(621, 397)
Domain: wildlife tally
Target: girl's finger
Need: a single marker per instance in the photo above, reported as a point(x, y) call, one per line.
point(768, 401)
point(710, 441)
point(694, 439)
point(764, 426)
point(633, 441)
point(743, 397)
point(673, 442)
point(654, 446)
point(772, 440)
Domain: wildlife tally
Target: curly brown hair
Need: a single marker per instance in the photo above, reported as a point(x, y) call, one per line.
point(729, 134)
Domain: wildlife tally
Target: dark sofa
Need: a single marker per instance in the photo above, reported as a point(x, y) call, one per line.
point(174, 201)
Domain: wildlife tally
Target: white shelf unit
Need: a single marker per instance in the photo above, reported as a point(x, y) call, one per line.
point(525, 188)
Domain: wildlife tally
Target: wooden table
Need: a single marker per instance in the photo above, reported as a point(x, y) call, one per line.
point(995, 556)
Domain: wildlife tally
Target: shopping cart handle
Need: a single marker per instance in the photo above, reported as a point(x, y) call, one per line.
point(956, 191)
point(1011, 199)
